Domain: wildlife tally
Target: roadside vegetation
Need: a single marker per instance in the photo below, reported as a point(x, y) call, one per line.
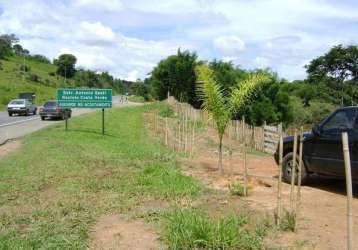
point(195, 229)
point(332, 81)
point(55, 187)
point(135, 98)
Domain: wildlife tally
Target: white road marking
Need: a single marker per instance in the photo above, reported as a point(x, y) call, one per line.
point(17, 122)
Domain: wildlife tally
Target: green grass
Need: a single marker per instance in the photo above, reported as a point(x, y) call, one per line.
point(166, 111)
point(237, 189)
point(13, 80)
point(53, 188)
point(135, 98)
point(194, 229)
point(288, 222)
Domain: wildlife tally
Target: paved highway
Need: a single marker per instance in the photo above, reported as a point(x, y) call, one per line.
point(18, 126)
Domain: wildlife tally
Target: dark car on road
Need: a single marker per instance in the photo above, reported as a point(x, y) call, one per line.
point(51, 109)
point(322, 148)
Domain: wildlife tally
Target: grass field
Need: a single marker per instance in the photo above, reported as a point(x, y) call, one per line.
point(55, 187)
point(14, 80)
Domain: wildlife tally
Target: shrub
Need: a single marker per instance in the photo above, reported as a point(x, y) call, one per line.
point(166, 111)
point(25, 68)
point(1, 68)
point(40, 58)
point(194, 229)
point(47, 82)
point(135, 98)
point(33, 78)
point(52, 74)
point(288, 222)
point(237, 189)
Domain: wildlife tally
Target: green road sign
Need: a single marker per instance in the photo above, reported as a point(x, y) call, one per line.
point(84, 98)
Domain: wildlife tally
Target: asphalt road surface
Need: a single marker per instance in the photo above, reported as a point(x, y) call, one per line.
point(18, 126)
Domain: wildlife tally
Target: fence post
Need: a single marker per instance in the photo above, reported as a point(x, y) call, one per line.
point(279, 183)
point(244, 155)
point(293, 171)
point(166, 130)
point(298, 201)
point(193, 134)
point(230, 144)
point(186, 125)
point(263, 137)
point(347, 165)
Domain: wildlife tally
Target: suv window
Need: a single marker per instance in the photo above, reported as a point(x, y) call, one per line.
point(341, 121)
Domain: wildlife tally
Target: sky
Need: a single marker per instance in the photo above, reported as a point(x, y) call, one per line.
point(129, 37)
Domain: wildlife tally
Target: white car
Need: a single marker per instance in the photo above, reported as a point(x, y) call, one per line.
point(21, 107)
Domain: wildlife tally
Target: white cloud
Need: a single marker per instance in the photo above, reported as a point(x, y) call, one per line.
point(132, 75)
point(95, 33)
point(106, 5)
point(229, 45)
point(261, 62)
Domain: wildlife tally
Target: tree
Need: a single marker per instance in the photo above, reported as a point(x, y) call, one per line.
point(18, 49)
point(140, 89)
point(5, 49)
point(39, 58)
point(220, 107)
point(175, 74)
point(10, 39)
point(335, 69)
point(66, 65)
point(6, 43)
point(105, 80)
point(87, 78)
point(227, 74)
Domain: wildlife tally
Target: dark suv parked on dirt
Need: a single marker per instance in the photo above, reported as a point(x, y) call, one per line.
point(322, 148)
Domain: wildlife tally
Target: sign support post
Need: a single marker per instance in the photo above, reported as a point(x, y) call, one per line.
point(102, 121)
point(66, 123)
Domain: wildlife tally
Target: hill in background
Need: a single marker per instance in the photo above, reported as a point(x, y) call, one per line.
point(19, 75)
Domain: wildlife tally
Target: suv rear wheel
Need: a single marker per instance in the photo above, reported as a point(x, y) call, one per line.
point(287, 164)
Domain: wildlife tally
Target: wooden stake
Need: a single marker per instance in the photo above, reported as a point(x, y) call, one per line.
point(186, 130)
point(293, 171)
point(300, 158)
point(166, 131)
point(244, 155)
point(279, 183)
point(230, 145)
point(193, 135)
point(347, 165)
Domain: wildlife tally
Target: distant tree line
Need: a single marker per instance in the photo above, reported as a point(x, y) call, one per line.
point(332, 81)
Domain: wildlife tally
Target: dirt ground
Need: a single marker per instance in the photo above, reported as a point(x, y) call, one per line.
point(119, 232)
point(10, 146)
point(322, 220)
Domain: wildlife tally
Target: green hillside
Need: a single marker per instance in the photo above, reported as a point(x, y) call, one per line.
point(39, 77)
